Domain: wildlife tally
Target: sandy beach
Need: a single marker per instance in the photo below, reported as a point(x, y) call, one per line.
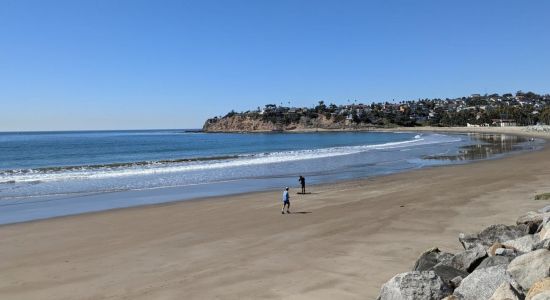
point(342, 241)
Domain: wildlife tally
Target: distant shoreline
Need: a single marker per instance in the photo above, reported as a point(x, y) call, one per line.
point(519, 130)
point(515, 130)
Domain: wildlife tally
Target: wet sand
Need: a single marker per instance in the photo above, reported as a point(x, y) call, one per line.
point(342, 241)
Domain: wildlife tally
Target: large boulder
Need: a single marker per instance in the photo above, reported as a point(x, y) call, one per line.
point(523, 244)
point(415, 285)
point(481, 283)
point(492, 261)
point(539, 287)
point(493, 234)
point(506, 291)
point(435, 260)
point(430, 258)
point(468, 260)
point(529, 268)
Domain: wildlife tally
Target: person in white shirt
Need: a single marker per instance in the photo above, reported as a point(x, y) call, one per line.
point(286, 202)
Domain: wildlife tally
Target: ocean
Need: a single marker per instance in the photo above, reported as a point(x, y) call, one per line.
point(48, 174)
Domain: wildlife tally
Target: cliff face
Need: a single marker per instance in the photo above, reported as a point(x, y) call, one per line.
point(236, 124)
point(239, 123)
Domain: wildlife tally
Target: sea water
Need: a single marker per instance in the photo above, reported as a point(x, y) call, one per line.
point(47, 174)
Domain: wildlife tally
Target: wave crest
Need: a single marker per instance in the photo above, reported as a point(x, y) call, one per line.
point(201, 163)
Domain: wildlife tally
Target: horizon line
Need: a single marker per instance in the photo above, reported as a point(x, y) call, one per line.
point(96, 130)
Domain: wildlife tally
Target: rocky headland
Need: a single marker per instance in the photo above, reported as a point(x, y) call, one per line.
point(245, 123)
point(500, 262)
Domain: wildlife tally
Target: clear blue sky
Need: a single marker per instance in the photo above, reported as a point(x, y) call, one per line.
point(108, 64)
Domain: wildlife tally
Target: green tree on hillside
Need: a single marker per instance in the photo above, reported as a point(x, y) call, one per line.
point(544, 116)
point(321, 107)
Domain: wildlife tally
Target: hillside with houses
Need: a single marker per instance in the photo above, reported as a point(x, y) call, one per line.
point(521, 109)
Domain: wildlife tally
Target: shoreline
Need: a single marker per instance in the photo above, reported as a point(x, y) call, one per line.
point(345, 240)
point(517, 130)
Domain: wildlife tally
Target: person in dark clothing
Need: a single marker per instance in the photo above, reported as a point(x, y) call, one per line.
point(302, 181)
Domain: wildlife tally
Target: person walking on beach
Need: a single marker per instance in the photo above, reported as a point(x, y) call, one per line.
point(286, 202)
point(302, 181)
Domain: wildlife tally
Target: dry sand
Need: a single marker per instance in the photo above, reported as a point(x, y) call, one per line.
point(343, 241)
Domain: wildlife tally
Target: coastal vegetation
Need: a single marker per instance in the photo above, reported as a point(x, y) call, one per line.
point(521, 108)
point(543, 196)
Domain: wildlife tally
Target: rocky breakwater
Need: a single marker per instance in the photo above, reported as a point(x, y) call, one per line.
point(500, 262)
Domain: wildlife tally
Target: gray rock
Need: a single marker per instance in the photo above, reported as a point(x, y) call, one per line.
point(447, 273)
point(506, 291)
point(501, 233)
point(491, 250)
point(544, 244)
point(439, 262)
point(430, 258)
point(493, 234)
point(455, 282)
point(528, 268)
point(469, 241)
point(532, 218)
point(515, 285)
point(492, 261)
point(468, 260)
point(506, 252)
point(415, 285)
point(523, 244)
point(481, 283)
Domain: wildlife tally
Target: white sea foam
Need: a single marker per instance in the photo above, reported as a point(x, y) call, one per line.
point(29, 176)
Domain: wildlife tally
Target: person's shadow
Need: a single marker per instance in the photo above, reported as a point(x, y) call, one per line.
point(306, 193)
point(301, 212)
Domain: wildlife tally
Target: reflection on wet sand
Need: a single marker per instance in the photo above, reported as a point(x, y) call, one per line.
point(486, 146)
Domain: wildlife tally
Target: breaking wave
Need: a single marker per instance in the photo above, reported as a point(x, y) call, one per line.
point(112, 170)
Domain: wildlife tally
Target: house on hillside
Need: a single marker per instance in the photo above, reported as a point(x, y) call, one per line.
point(504, 122)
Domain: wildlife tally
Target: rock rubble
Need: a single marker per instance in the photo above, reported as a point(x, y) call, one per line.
point(500, 262)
